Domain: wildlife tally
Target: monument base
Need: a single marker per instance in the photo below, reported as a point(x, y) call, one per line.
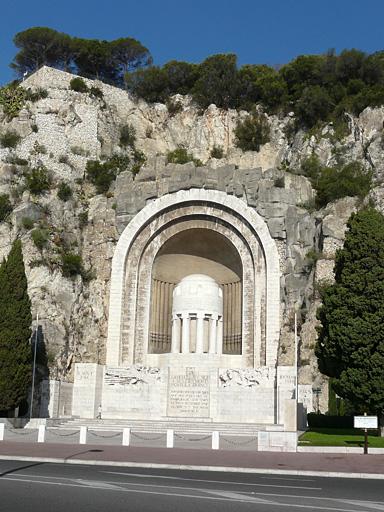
point(188, 393)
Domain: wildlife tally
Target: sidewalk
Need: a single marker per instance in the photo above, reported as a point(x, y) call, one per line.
point(320, 464)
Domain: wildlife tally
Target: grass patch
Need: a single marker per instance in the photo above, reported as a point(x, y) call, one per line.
point(339, 437)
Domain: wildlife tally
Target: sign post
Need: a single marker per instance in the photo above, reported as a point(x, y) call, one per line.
point(365, 422)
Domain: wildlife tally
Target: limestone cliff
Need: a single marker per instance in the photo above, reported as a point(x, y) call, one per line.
point(67, 128)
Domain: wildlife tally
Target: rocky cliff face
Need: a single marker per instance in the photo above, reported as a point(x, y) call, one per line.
point(67, 128)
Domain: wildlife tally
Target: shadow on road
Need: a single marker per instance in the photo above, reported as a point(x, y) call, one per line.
point(15, 470)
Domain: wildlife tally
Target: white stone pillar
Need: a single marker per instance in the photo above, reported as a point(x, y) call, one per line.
point(215, 440)
point(185, 341)
point(2, 429)
point(126, 436)
point(176, 335)
point(41, 434)
point(169, 438)
point(219, 341)
point(83, 435)
point(200, 334)
point(212, 335)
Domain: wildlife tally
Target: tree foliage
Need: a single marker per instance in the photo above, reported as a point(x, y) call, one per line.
point(252, 132)
point(317, 88)
point(15, 331)
point(335, 182)
point(350, 346)
point(93, 58)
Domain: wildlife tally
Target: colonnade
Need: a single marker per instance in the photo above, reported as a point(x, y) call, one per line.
point(183, 341)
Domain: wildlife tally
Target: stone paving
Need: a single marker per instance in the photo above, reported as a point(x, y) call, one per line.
point(298, 463)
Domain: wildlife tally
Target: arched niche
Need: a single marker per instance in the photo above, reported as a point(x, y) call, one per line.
point(196, 251)
point(143, 239)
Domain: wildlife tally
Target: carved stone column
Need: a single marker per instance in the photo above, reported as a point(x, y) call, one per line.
point(212, 335)
point(200, 334)
point(185, 338)
point(176, 331)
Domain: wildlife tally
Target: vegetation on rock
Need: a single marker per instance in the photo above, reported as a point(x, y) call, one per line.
point(9, 139)
point(64, 191)
point(340, 180)
point(5, 206)
point(38, 180)
point(181, 156)
point(350, 346)
point(252, 132)
point(77, 84)
point(15, 331)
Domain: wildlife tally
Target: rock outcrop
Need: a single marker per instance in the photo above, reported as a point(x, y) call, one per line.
point(67, 128)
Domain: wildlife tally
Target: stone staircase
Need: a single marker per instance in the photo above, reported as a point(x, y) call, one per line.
point(187, 427)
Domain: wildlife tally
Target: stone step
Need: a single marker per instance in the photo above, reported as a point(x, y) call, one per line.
point(159, 426)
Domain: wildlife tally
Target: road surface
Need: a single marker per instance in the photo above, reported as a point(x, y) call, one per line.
point(42, 487)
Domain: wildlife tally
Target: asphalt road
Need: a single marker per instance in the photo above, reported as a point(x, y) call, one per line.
point(43, 487)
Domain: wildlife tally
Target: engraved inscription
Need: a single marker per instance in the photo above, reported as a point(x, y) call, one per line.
point(188, 394)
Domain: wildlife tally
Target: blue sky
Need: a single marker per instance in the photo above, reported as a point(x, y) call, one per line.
point(271, 32)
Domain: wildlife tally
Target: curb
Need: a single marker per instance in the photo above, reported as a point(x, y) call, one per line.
point(184, 467)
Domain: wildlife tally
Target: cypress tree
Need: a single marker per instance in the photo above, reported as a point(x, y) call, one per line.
point(15, 331)
point(350, 348)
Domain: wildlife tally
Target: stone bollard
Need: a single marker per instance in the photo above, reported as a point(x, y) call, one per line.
point(215, 440)
point(41, 434)
point(169, 438)
point(83, 435)
point(2, 429)
point(126, 436)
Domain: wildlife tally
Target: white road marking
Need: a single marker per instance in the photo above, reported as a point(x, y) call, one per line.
point(213, 481)
point(370, 504)
point(241, 499)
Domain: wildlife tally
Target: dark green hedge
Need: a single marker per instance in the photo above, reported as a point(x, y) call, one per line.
point(323, 421)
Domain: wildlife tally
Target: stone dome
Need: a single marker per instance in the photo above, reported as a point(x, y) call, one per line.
point(198, 293)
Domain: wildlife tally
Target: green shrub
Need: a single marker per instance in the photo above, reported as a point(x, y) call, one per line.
point(27, 223)
point(139, 160)
point(96, 92)
point(12, 99)
point(78, 150)
point(83, 218)
point(63, 159)
point(38, 180)
point(9, 139)
point(127, 135)
point(174, 107)
point(36, 95)
point(342, 181)
point(64, 191)
point(5, 206)
point(71, 264)
point(77, 84)
point(252, 132)
point(15, 160)
point(311, 167)
point(217, 152)
point(181, 156)
point(40, 237)
point(100, 174)
point(119, 162)
point(316, 420)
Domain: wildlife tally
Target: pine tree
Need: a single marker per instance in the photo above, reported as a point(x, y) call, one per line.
point(350, 348)
point(15, 331)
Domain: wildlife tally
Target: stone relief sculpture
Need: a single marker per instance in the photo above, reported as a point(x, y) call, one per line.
point(245, 377)
point(131, 376)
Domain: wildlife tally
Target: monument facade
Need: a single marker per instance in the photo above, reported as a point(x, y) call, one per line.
point(194, 318)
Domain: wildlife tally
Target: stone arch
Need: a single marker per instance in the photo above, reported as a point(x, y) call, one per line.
point(242, 219)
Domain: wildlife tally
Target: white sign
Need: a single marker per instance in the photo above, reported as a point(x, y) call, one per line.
point(365, 422)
